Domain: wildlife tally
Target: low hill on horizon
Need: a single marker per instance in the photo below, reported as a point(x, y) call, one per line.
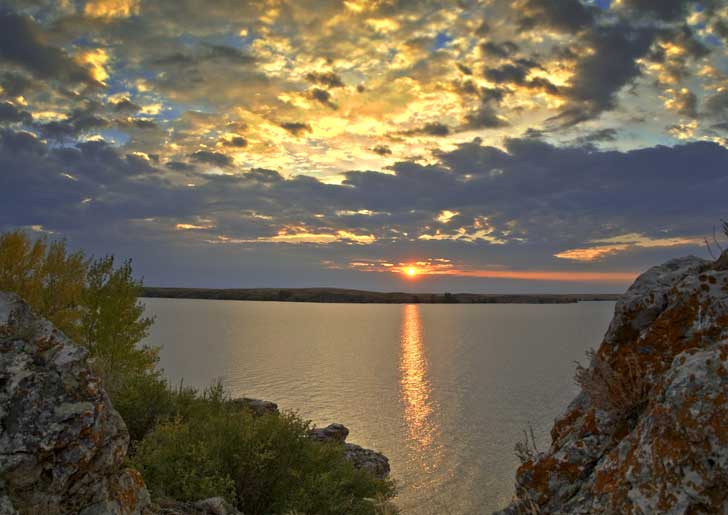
point(343, 295)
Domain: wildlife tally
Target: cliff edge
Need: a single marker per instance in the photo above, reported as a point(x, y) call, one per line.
point(648, 433)
point(62, 444)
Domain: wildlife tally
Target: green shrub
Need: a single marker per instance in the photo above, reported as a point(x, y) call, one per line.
point(269, 460)
point(187, 445)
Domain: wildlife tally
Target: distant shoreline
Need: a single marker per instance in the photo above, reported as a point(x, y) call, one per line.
point(338, 295)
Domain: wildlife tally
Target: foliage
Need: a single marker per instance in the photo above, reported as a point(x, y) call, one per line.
point(264, 464)
point(95, 304)
point(46, 275)
point(187, 445)
point(112, 324)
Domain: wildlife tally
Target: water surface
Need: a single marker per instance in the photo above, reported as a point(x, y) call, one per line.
point(443, 390)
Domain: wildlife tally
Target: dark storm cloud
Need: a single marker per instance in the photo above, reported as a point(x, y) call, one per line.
point(465, 69)
point(142, 123)
point(322, 96)
point(235, 141)
point(716, 106)
point(579, 192)
point(382, 150)
point(484, 117)
point(78, 121)
point(125, 106)
point(22, 44)
point(562, 15)
point(328, 79)
point(668, 10)
point(296, 128)
point(431, 129)
point(14, 84)
point(11, 114)
point(503, 50)
point(211, 158)
point(599, 136)
point(602, 74)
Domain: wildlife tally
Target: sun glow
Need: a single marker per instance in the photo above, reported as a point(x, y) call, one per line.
point(411, 271)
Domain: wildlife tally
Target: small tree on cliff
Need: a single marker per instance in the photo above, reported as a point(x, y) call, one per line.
point(93, 302)
point(112, 323)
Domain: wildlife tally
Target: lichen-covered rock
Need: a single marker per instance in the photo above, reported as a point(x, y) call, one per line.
point(367, 459)
point(662, 452)
point(62, 445)
point(257, 406)
point(331, 433)
point(364, 459)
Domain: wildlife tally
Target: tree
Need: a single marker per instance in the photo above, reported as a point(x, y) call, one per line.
point(46, 275)
point(113, 324)
point(93, 302)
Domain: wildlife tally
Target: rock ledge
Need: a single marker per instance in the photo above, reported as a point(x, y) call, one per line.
point(648, 433)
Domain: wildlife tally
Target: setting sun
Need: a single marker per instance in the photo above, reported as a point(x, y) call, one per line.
point(411, 271)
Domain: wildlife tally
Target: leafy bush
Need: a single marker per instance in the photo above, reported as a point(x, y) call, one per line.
point(263, 464)
point(187, 445)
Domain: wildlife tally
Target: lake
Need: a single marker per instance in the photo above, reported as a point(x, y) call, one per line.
point(444, 391)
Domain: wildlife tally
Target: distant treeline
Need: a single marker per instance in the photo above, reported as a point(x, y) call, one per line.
point(366, 297)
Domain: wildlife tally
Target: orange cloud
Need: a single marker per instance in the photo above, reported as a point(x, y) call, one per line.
point(445, 267)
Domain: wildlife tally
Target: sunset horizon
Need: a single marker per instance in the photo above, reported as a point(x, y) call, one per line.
point(525, 146)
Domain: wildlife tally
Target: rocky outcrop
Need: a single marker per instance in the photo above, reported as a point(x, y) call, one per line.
point(648, 433)
point(257, 406)
point(62, 444)
point(331, 433)
point(363, 459)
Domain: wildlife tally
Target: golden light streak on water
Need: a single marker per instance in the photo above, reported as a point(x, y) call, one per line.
point(415, 387)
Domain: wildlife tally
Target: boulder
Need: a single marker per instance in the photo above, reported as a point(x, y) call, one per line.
point(257, 406)
point(62, 444)
point(648, 433)
point(364, 459)
point(331, 433)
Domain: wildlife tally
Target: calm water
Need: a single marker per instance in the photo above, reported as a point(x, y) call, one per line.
point(443, 390)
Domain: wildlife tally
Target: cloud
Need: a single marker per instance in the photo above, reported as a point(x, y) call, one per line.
point(21, 43)
point(296, 128)
point(211, 158)
point(382, 150)
point(235, 141)
point(561, 15)
point(328, 79)
point(11, 114)
point(322, 96)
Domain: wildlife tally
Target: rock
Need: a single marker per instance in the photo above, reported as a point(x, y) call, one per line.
point(257, 406)
point(366, 459)
point(661, 444)
point(331, 433)
point(62, 444)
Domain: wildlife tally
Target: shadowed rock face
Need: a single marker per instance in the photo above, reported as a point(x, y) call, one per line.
point(666, 452)
point(62, 444)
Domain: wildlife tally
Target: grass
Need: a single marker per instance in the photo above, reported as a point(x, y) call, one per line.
point(621, 392)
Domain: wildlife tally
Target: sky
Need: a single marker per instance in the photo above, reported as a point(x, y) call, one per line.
point(490, 145)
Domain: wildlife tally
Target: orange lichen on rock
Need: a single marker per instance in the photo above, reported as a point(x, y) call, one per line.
point(667, 451)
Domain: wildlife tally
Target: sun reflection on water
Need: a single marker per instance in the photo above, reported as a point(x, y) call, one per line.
point(414, 383)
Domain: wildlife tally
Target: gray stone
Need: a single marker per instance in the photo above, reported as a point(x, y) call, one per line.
point(669, 452)
point(62, 444)
point(331, 433)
